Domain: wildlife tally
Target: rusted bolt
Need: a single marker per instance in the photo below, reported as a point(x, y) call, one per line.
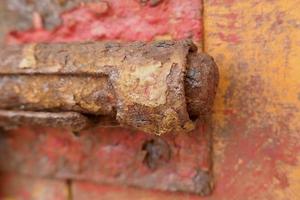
point(157, 87)
point(158, 153)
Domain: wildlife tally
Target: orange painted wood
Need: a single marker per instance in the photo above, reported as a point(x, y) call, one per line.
point(257, 109)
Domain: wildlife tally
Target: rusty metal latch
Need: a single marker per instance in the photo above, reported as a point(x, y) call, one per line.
point(157, 87)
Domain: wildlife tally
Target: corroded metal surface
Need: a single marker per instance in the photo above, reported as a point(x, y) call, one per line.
point(156, 87)
point(71, 120)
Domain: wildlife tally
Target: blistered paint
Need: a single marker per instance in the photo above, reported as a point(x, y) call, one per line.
point(122, 20)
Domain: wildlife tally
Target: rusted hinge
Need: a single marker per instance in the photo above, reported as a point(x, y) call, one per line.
point(157, 87)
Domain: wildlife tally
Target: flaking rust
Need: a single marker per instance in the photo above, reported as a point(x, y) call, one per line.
point(156, 87)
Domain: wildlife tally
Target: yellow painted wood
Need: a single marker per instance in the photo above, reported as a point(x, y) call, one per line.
point(256, 118)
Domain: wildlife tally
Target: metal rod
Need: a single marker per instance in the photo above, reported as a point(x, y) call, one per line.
point(156, 87)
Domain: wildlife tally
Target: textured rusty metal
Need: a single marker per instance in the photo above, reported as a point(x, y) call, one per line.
point(156, 87)
point(69, 120)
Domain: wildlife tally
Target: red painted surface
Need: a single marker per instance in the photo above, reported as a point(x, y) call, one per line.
point(122, 20)
point(106, 156)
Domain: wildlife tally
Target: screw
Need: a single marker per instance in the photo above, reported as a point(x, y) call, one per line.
point(158, 153)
